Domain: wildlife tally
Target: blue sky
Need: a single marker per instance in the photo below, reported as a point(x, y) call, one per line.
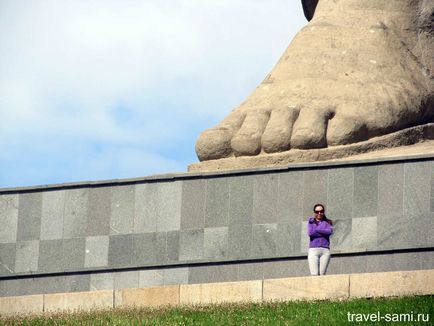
point(105, 89)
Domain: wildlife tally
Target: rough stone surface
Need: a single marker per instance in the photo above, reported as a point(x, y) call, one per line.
point(307, 102)
point(78, 301)
point(149, 297)
point(30, 304)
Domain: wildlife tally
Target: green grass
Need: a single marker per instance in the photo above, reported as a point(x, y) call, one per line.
point(277, 313)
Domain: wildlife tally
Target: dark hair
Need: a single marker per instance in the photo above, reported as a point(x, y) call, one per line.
point(324, 217)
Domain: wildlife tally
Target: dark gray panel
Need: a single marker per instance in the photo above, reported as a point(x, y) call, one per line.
point(364, 233)
point(8, 218)
point(240, 241)
point(347, 264)
point(122, 210)
point(96, 252)
point(417, 189)
point(380, 263)
point(290, 197)
point(101, 281)
point(120, 249)
point(426, 261)
point(288, 239)
point(191, 244)
point(53, 203)
point(365, 191)
point(390, 189)
point(340, 193)
point(27, 253)
point(341, 237)
point(315, 190)
point(29, 216)
point(408, 261)
point(215, 243)
point(75, 214)
point(161, 247)
point(217, 202)
point(250, 271)
point(264, 240)
point(78, 283)
point(173, 245)
point(286, 268)
point(7, 258)
point(73, 254)
point(50, 256)
point(265, 196)
point(178, 275)
point(193, 204)
point(126, 280)
point(240, 200)
point(143, 249)
point(99, 211)
point(213, 273)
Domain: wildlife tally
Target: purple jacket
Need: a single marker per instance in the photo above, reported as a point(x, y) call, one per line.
point(319, 233)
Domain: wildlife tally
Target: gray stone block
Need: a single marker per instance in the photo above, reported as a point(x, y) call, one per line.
point(340, 193)
point(52, 284)
point(172, 245)
point(7, 258)
point(288, 239)
point(96, 251)
point(286, 268)
point(240, 199)
point(178, 275)
point(304, 238)
point(122, 210)
point(193, 204)
point(29, 216)
point(74, 254)
point(426, 261)
point(8, 218)
point(250, 271)
point(364, 232)
point(11, 288)
point(380, 263)
point(50, 256)
point(265, 197)
point(215, 243)
point(390, 189)
point(102, 281)
point(143, 249)
point(315, 190)
point(75, 214)
point(217, 202)
point(98, 222)
point(126, 280)
point(161, 248)
point(77, 283)
point(290, 197)
point(264, 240)
point(347, 264)
point(169, 206)
point(120, 250)
point(53, 203)
point(365, 191)
point(408, 261)
point(240, 241)
point(213, 273)
point(151, 278)
point(145, 215)
point(417, 189)
point(27, 256)
point(191, 244)
point(341, 239)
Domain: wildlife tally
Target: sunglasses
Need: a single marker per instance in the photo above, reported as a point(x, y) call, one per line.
point(319, 212)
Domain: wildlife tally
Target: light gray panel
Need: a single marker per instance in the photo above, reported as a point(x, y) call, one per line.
point(340, 194)
point(50, 256)
point(417, 189)
point(8, 218)
point(214, 273)
point(177, 275)
point(101, 281)
point(216, 243)
point(7, 258)
point(193, 204)
point(240, 241)
point(304, 238)
point(240, 200)
point(172, 245)
point(145, 211)
point(250, 271)
point(217, 202)
point(151, 278)
point(29, 216)
point(264, 240)
point(341, 239)
point(390, 189)
point(315, 190)
point(98, 222)
point(53, 203)
point(143, 249)
point(288, 239)
point(191, 244)
point(364, 232)
point(75, 214)
point(122, 210)
point(169, 206)
point(27, 256)
point(126, 280)
point(96, 252)
point(73, 254)
point(290, 197)
point(120, 249)
point(365, 191)
point(265, 197)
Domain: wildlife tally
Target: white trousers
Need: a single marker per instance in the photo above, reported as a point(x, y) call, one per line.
point(318, 259)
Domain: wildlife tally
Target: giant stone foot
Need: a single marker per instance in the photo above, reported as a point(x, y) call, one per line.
point(359, 69)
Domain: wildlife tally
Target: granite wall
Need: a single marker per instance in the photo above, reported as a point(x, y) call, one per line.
point(194, 228)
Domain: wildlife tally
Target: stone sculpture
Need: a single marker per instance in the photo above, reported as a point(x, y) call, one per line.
point(360, 69)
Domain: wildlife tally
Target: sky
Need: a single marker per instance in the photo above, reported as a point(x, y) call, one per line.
point(110, 89)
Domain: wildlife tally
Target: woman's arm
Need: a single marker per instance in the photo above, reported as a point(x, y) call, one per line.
point(324, 228)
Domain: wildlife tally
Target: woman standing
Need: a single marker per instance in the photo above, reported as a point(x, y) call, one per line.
point(319, 229)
